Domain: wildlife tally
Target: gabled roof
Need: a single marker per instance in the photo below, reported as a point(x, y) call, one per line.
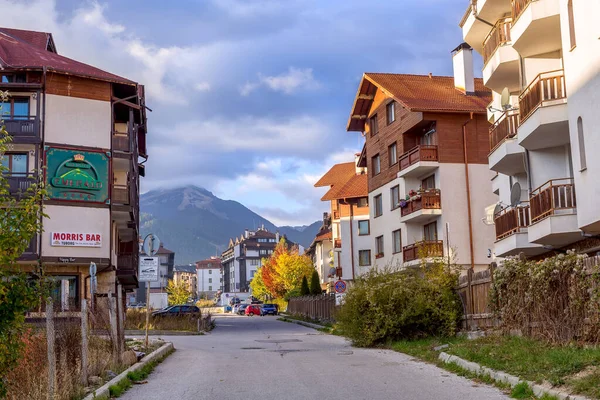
point(26, 50)
point(417, 93)
point(185, 268)
point(339, 173)
point(325, 235)
point(356, 186)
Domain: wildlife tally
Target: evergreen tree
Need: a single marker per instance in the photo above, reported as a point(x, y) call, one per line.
point(304, 290)
point(315, 285)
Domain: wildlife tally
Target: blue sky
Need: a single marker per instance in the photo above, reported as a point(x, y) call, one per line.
point(250, 98)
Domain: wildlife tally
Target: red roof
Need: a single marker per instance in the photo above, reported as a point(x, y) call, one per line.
point(324, 236)
point(339, 173)
point(26, 50)
point(356, 186)
point(417, 93)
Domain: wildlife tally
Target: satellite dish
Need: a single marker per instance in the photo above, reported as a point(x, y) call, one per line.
point(505, 99)
point(331, 271)
point(515, 194)
point(497, 209)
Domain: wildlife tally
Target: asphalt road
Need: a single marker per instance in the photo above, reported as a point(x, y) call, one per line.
point(262, 358)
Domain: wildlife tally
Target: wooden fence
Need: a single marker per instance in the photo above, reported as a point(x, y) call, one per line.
point(320, 308)
point(474, 289)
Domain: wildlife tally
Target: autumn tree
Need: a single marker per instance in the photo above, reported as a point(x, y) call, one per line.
point(178, 293)
point(257, 284)
point(20, 216)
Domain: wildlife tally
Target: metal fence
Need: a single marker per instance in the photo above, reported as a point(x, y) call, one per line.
point(320, 308)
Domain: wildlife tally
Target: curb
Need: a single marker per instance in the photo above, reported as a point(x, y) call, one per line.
point(304, 323)
point(137, 332)
point(503, 377)
point(104, 392)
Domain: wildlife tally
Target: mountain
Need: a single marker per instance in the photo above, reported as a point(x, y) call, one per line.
point(196, 224)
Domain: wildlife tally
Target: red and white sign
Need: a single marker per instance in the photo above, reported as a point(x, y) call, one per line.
point(74, 239)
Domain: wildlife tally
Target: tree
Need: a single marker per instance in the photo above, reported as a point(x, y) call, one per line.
point(304, 290)
point(178, 293)
point(19, 292)
point(315, 285)
point(258, 287)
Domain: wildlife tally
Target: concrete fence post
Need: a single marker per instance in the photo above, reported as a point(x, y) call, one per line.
point(84, 342)
point(50, 336)
point(120, 314)
point(112, 315)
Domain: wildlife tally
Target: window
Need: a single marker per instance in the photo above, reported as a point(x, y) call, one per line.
point(64, 292)
point(428, 183)
point(15, 163)
point(364, 258)
point(373, 126)
point(13, 78)
point(393, 154)
point(210, 271)
point(430, 232)
point(379, 246)
point(391, 112)
point(209, 280)
point(254, 262)
point(252, 272)
point(210, 288)
point(363, 227)
point(363, 202)
point(571, 24)
point(378, 205)
point(582, 160)
point(395, 197)
point(397, 241)
point(376, 165)
point(15, 108)
point(263, 252)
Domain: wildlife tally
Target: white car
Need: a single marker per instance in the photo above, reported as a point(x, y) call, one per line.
point(235, 309)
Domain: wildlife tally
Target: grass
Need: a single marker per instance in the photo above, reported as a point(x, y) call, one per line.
point(136, 320)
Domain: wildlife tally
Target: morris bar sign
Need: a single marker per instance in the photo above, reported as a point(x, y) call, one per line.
point(74, 175)
point(71, 239)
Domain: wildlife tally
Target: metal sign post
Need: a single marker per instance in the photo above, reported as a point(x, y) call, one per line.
point(148, 272)
point(93, 284)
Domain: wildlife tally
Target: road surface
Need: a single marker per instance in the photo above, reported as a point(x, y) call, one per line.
point(262, 358)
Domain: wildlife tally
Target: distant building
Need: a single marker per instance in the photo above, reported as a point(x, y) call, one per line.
point(186, 274)
point(210, 276)
point(244, 256)
point(321, 252)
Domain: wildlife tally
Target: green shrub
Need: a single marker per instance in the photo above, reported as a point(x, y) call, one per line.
point(315, 285)
point(304, 290)
point(397, 304)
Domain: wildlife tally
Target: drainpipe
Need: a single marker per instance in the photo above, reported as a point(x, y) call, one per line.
point(470, 220)
point(474, 8)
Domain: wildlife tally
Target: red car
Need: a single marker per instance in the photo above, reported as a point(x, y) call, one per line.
point(253, 309)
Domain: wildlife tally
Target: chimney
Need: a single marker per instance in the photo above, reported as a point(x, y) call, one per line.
point(358, 170)
point(277, 237)
point(325, 217)
point(246, 234)
point(462, 60)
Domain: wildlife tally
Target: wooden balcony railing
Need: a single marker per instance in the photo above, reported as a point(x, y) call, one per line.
point(504, 128)
point(512, 220)
point(120, 195)
point(418, 153)
point(552, 196)
point(337, 243)
point(18, 184)
point(121, 142)
point(21, 127)
point(424, 248)
point(547, 86)
point(430, 199)
point(125, 262)
point(518, 6)
point(499, 35)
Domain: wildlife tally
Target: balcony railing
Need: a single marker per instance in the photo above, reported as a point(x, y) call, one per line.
point(554, 195)
point(21, 127)
point(547, 86)
point(125, 262)
point(418, 153)
point(120, 195)
point(499, 35)
point(18, 184)
point(505, 127)
point(430, 199)
point(518, 6)
point(512, 220)
point(121, 142)
point(337, 243)
point(425, 248)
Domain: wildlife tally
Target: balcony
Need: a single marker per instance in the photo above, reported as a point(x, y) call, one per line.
point(23, 129)
point(475, 29)
point(506, 155)
point(423, 249)
point(501, 61)
point(18, 184)
point(554, 213)
point(543, 112)
point(418, 161)
point(422, 207)
point(337, 244)
point(536, 26)
point(121, 142)
point(120, 195)
point(511, 232)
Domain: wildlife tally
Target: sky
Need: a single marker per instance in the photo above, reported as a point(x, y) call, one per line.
point(250, 98)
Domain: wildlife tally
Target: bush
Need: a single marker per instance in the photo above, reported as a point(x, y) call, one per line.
point(397, 304)
point(136, 320)
point(304, 290)
point(205, 303)
point(315, 285)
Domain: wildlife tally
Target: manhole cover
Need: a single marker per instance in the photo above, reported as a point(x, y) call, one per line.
point(277, 341)
point(251, 348)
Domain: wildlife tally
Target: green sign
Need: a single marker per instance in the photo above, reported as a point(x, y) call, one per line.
point(75, 175)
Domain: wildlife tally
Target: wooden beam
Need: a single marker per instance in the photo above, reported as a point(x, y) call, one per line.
point(359, 117)
point(365, 97)
point(127, 103)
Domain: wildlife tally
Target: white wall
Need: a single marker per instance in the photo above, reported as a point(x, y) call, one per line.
point(76, 220)
point(78, 122)
point(204, 275)
point(364, 242)
point(546, 164)
point(385, 224)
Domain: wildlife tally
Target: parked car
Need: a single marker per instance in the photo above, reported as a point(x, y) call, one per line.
point(242, 309)
point(177, 310)
point(270, 309)
point(253, 309)
point(235, 309)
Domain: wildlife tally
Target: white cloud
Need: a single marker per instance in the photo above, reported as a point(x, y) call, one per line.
point(293, 80)
point(95, 17)
point(202, 87)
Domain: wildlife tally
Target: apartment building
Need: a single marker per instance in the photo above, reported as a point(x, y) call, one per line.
point(321, 252)
point(209, 276)
point(244, 256)
point(87, 128)
point(426, 145)
point(542, 63)
point(186, 275)
point(350, 225)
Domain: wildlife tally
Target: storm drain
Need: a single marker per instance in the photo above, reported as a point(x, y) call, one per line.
point(252, 348)
point(283, 351)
